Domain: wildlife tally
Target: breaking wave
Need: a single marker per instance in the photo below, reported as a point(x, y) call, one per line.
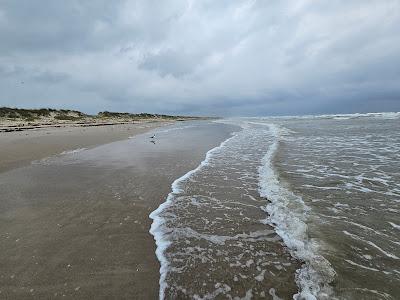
point(287, 213)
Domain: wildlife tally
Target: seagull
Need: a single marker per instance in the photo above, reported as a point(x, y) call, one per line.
point(153, 136)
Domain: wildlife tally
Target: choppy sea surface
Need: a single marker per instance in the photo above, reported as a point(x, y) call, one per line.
point(290, 207)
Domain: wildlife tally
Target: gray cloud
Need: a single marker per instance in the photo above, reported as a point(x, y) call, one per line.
point(169, 62)
point(201, 57)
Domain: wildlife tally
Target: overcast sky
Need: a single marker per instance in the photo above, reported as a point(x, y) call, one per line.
point(213, 57)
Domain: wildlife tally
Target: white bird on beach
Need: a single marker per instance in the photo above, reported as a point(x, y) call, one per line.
point(153, 136)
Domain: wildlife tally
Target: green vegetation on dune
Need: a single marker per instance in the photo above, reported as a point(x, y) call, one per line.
point(107, 114)
point(29, 115)
point(67, 118)
point(14, 113)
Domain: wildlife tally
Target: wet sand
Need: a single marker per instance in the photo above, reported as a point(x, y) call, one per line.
point(19, 148)
point(76, 226)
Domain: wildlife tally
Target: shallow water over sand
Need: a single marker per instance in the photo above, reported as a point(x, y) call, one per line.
point(213, 227)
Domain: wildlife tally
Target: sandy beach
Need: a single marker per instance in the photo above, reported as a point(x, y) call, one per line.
point(76, 226)
point(19, 148)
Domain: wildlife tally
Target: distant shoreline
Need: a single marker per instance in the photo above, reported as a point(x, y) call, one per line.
point(18, 119)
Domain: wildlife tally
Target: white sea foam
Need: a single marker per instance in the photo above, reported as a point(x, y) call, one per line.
point(54, 158)
point(360, 266)
point(376, 294)
point(339, 117)
point(287, 214)
point(73, 151)
point(158, 228)
point(394, 225)
point(175, 128)
point(356, 237)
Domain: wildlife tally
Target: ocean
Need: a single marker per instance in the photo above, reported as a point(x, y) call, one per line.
point(287, 207)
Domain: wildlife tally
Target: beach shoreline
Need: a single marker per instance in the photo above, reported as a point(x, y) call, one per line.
point(76, 226)
point(19, 148)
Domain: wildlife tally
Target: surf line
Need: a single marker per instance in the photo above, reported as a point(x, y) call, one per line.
point(159, 229)
point(287, 213)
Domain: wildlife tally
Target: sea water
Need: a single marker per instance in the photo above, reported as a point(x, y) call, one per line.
point(289, 207)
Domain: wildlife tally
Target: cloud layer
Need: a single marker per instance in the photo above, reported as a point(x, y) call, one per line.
point(201, 57)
